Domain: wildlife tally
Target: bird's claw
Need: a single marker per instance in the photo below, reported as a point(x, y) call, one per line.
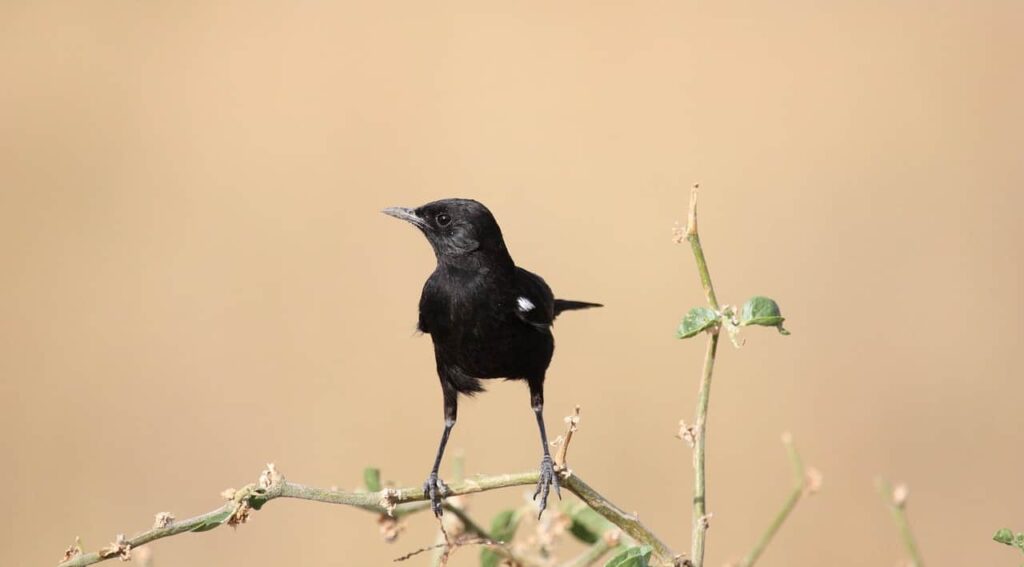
point(435, 489)
point(548, 477)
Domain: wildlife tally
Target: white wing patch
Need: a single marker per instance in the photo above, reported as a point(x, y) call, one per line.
point(524, 304)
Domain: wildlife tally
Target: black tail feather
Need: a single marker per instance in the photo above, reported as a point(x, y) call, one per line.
point(569, 305)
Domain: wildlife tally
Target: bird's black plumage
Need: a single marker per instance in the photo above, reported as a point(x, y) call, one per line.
point(488, 318)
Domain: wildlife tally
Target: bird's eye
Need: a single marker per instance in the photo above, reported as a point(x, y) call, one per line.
point(443, 219)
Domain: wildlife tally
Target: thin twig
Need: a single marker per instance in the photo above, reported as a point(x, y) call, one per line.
point(500, 547)
point(450, 547)
point(443, 543)
point(896, 500)
point(700, 515)
point(572, 423)
point(396, 501)
point(801, 487)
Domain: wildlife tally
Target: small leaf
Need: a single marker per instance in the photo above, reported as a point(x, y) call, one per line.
point(587, 525)
point(503, 529)
point(1004, 536)
point(371, 478)
point(213, 521)
point(631, 557)
point(1018, 541)
point(697, 320)
point(762, 311)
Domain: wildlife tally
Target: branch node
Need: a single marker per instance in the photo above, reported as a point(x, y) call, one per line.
point(120, 548)
point(388, 500)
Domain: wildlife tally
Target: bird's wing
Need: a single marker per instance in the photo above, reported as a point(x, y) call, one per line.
point(533, 302)
point(431, 309)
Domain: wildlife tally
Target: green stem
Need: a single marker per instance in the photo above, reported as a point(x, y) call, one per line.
point(400, 501)
point(698, 251)
point(898, 509)
point(799, 489)
point(700, 517)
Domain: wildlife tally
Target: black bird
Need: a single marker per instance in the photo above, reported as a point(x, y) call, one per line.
point(487, 317)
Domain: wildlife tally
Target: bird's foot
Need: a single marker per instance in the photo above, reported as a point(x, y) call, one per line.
point(548, 477)
point(435, 489)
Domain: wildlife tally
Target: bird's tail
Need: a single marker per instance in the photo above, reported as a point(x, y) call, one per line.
point(569, 305)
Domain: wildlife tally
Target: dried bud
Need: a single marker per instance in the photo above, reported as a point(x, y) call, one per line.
point(813, 482)
point(228, 494)
point(678, 233)
point(389, 500)
point(240, 515)
point(687, 433)
point(389, 527)
point(900, 494)
point(612, 537)
point(162, 520)
point(74, 550)
point(269, 477)
point(120, 549)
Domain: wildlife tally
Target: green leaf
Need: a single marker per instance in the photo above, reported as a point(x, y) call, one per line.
point(631, 557)
point(371, 478)
point(503, 529)
point(1004, 536)
point(699, 319)
point(587, 525)
point(762, 311)
point(214, 521)
point(1007, 537)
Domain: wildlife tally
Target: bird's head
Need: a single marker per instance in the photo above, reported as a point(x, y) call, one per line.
point(455, 228)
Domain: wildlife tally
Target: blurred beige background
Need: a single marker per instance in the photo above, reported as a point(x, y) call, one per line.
point(196, 278)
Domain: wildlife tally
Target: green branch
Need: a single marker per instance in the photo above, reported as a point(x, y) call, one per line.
point(699, 432)
point(803, 484)
point(389, 501)
point(896, 500)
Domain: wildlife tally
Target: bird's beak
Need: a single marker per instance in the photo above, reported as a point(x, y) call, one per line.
point(407, 215)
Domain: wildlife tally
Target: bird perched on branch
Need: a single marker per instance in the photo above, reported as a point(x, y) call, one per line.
point(487, 317)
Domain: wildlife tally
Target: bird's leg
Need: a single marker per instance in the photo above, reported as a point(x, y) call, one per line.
point(435, 488)
point(548, 476)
